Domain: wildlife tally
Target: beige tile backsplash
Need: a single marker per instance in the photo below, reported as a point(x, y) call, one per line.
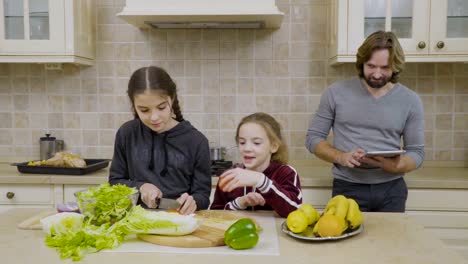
point(29, 120)
point(222, 75)
point(6, 120)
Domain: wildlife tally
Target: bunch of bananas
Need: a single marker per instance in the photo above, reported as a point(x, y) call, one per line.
point(340, 214)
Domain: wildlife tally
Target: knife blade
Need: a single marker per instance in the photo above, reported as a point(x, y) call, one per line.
point(167, 204)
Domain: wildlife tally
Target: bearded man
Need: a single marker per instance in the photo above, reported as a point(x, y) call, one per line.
point(370, 112)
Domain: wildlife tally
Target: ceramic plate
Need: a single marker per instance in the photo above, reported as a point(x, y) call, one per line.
point(307, 235)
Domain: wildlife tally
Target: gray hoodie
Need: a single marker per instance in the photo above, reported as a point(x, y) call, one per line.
point(176, 161)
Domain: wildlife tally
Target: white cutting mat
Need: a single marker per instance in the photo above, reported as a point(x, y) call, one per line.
point(267, 244)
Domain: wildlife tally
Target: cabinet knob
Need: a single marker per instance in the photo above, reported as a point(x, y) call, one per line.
point(440, 44)
point(421, 44)
point(10, 195)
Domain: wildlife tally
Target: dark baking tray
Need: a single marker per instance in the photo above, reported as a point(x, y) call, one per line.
point(91, 166)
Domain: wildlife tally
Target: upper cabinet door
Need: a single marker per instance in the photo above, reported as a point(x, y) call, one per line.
point(428, 30)
point(32, 26)
point(449, 26)
point(406, 18)
point(409, 22)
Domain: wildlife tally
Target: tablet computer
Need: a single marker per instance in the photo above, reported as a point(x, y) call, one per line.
point(385, 153)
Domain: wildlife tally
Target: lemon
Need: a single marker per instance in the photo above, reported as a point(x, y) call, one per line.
point(310, 212)
point(296, 221)
point(330, 226)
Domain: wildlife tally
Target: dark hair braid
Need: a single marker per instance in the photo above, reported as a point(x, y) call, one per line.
point(176, 109)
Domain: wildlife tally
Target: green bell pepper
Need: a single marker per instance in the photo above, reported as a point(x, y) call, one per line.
point(242, 234)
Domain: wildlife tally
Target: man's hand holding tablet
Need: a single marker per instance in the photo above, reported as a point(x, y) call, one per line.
point(385, 153)
point(389, 160)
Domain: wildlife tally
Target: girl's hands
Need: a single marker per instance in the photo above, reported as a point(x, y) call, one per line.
point(251, 199)
point(234, 178)
point(149, 193)
point(188, 204)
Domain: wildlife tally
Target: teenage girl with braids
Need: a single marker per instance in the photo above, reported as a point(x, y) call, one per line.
point(158, 152)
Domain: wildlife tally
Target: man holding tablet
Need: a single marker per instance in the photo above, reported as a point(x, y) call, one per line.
point(370, 114)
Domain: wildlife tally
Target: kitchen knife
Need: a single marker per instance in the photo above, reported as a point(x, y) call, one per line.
point(167, 204)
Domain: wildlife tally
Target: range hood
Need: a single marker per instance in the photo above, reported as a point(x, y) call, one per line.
point(202, 13)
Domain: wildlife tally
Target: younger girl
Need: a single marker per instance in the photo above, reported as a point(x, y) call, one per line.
point(265, 181)
point(158, 152)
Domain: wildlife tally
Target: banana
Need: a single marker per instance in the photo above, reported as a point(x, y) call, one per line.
point(346, 212)
point(342, 208)
point(315, 230)
point(330, 210)
point(338, 206)
point(354, 215)
point(345, 226)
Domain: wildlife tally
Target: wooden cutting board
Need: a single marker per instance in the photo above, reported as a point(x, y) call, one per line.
point(209, 234)
point(33, 223)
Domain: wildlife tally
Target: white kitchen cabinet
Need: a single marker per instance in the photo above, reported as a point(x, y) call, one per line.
point(450, 200)
point(47, 31)
point(27, 195)
point(428, 30)
point(437, 200)
point(449, 27)
point(318, 196)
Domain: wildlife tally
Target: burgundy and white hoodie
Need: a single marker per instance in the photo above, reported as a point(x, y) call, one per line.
point(281, 189)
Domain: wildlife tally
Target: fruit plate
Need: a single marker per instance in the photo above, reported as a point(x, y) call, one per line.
point(307, 234)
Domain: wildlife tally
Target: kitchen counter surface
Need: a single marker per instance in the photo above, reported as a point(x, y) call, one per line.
point(387, 238)
point(433, 174)
point(445, 175)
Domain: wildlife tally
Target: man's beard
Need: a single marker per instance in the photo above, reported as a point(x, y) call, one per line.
point(377, 84)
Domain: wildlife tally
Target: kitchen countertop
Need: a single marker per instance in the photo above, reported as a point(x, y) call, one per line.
point(313, 173)
point(432, 175)
point(387, 238)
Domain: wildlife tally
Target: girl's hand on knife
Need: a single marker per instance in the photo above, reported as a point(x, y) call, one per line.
point(149, 193)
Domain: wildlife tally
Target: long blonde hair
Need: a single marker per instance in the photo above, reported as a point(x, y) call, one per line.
point(273, 131)
point(377, 41)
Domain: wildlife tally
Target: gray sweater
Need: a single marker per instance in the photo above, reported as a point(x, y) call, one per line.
point(359, 120)
point(175, 161)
